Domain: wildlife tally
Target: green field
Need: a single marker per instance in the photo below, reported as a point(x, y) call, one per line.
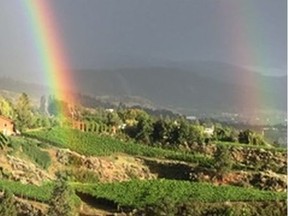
point(141, 193)
point(96, 145)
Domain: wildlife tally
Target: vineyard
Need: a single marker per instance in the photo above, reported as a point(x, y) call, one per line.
point(147, 196)
point(96, 145)
point(31, 149)
point(40, 193)
point(142, 193)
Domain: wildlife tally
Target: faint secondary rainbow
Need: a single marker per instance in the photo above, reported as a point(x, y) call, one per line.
point(51, 49)
point(247, 43)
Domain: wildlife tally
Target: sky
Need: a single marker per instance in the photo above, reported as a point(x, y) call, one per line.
point(98, 33)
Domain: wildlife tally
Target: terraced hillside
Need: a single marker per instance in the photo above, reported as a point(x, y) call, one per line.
point(110, 176)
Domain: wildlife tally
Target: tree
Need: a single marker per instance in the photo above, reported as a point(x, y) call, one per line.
point(6, 108)
point(244, 136)
point(223, 163)
point(196, 134)
point(224, 134)
point(179, 132)
point(7, 205)
point(160, 131)
point(143, 128)
point(61, 202)
point(43, 105)
point(57, 107)
point(112, 119)
point(250, 137)
point(24, 112)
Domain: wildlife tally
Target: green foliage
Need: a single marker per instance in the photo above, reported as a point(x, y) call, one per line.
point(278, 208)
point(91, 144)
point(6, 108)
point(224, 134)
point(24, 118)
point(141, 193)
point(249, 146)
point(113, 119)
point(42, 193)
point(252, 138)
point(61, 202)
point(178, 133)
point(185, 133)
point(7, 205)
point(143, 128)
point(79, 175)
point(160, 131)
point(40, 157)
point(223, 163)
point(31, 149)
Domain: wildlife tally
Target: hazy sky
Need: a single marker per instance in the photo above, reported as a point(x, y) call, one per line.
point(94, 32)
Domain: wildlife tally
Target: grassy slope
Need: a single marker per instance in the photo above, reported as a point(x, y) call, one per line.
point(96, 145)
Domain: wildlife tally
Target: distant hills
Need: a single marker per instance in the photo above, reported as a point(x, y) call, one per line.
point(203, 86)
point(192, 87)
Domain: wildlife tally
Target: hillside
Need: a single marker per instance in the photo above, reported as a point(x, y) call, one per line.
point(205, 86)
point(101, 168)
point(193, 88)
point(163, 165)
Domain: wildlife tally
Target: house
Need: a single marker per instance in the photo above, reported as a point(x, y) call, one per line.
point(7, 126)
point(209, 131)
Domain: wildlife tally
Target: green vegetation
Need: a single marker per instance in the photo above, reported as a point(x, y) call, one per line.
point(24, 118)
point(169, 208)
point(141, 193)
point(61, 202)
point(7, 205)
point(31, 149)
point(223, 163)
point(3, 140)
point(78, 175)
point(6, 108)
point(91, 144)
point(250, 137)
point(28, 191)
point(103, 133)
point(237, 144)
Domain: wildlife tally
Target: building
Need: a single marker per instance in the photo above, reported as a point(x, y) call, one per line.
point(209, 131)
point(7, 126)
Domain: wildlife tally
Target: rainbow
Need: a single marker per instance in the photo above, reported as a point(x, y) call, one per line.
point(51, 50)
point(244, 40)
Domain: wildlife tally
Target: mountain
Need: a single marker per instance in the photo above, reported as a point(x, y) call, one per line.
point(205, 87)
point(190, 87)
